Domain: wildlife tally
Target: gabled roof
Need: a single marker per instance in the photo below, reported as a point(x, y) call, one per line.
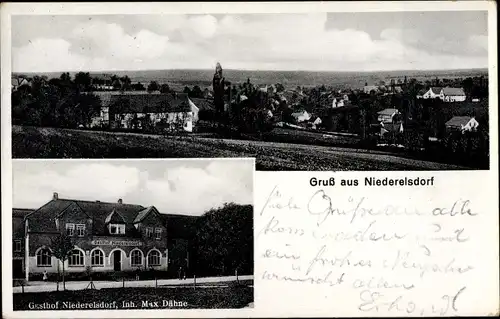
point(149, 103)
point(114, 217)
point(203, 104)
point(458, 121)
point(453, 91)
point(299, 113)
point(143, 213)
point(421, 92)
point(387, 112)
point(436, 89)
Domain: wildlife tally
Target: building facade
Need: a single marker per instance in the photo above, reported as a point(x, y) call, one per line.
point(137, 110)
point(107, 237)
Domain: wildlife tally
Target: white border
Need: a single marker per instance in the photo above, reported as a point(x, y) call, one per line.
point(8, 9)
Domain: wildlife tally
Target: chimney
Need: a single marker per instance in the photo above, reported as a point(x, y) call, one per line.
point(55, 196)
point(120, 201)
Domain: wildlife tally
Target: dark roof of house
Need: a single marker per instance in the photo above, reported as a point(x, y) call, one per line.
point(43, 219)
point(143, 213)
point(453, 91)
point(21, 212)
point(203, 104)
point(149, 103)
point(458, 121)
point(436, 89)
point(114, 217)
point(387, 112)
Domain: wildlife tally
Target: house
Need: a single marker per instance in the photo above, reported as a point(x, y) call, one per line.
point(301, 116)
point(338, 102)
point(316, 123)
point(449, 94)
point(387, 115)
point(107, 237)
point(136, 110)
point(462, 124)
point(103, 82)
point(420, 93)
point(432, 93)
point(17, 81)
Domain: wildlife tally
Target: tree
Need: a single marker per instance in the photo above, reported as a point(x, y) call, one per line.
point(153, 86)
point(187, 90)
point(164, 88)
point(61, 249)
point(196, 92)
point(86, 106)
point(126, 83)
point(224, 240)
point(83, 81)
point(279, 87)
point(138, 86)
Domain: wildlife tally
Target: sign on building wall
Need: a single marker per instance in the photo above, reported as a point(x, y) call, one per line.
point(107, 242)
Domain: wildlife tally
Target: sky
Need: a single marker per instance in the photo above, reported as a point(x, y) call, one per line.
point(351, 41)
point(188, 187)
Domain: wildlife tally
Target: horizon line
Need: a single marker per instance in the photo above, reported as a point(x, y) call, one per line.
point(253, 70)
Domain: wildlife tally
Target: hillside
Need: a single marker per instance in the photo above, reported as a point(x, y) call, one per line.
point(35, 142)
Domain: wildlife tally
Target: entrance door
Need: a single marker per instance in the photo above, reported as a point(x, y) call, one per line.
point(17, 268)
point(117, 258)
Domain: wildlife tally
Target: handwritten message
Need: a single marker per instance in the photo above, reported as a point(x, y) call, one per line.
point(412, 251)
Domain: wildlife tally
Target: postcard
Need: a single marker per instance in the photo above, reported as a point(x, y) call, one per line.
point(250, 159)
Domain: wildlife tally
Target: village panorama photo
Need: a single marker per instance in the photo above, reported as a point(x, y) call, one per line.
point(356, 91)
point(132, 234)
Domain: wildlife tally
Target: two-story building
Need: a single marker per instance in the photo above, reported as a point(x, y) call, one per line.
point(107, 237)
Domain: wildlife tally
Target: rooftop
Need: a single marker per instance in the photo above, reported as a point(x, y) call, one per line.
point(43, 218)
point(458, 121)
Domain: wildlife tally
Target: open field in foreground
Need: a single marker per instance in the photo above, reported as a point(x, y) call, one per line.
point(127, 298)
point(35, 142)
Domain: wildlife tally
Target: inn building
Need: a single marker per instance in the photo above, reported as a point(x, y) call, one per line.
point(107, 237)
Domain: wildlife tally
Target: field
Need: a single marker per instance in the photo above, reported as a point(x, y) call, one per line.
point(177, 79)
point(201, 298)
point(34, 142)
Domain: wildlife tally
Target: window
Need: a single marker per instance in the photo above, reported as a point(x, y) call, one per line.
point(136, 258)
point(43, 258)
point(76, 258)
point(149, 232)
point(97, 258)
point(117, 229)
point(17, 245)
point(154, 258)
point(70, 229)
point(80, 230)
point(158, 233)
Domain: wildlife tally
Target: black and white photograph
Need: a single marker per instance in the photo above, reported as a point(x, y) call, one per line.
point(355, 91)
point(132, 234)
